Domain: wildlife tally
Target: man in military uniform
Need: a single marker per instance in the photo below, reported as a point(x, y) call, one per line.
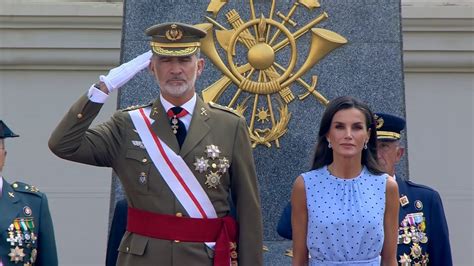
point(26, 228)
point(423, 233)
point(177, 158)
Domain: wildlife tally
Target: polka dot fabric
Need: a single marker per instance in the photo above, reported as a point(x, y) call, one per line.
point(345, 218)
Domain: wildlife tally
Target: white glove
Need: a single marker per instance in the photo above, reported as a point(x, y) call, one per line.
point(120, 75)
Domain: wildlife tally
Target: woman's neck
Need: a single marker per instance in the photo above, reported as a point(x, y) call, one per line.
point(345, 167)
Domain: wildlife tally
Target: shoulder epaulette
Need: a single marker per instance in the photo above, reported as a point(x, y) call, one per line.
point(23, 187)
point(225, 108)
point(134, 107)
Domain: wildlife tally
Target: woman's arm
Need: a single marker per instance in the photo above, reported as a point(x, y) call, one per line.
point(390, 224)
point(299, 223)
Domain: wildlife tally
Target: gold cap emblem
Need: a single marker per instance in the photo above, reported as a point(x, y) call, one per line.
point(174, 34)
point(379, 121)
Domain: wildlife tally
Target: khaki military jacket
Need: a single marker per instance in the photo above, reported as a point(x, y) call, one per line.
point(116, 144)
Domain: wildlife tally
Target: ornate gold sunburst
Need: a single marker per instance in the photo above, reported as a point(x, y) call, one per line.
point(262, 115)
point(262, 79)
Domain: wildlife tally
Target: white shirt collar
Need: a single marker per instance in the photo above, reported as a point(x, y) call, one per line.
point(188, 106)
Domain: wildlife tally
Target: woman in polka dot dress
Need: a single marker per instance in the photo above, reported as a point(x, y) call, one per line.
point(345, 210)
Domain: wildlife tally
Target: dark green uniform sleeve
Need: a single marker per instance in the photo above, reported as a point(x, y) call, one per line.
point(47, 254)
point(245, 196)
point(74, 140)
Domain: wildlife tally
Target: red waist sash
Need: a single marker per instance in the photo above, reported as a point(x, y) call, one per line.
point(223, 231)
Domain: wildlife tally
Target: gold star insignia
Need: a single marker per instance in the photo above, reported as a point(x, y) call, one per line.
point(16, 254)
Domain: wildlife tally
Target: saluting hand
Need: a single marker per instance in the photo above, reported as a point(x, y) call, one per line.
point(120, 75)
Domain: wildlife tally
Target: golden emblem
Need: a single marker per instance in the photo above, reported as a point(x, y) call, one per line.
point(213, 179)
point(174, 34)
point(262, 85)
point(379, 121)
point(16, 254)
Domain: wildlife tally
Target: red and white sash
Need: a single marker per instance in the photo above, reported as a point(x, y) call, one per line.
point(173, 168)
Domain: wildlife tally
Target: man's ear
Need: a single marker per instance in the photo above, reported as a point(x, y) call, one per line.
point(151, 66)
point(200, 66)
point(400, 153)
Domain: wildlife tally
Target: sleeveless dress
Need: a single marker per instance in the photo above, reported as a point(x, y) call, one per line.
point(345, 218)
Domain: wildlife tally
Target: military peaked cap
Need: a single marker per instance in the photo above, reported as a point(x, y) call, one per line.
point(389, 126)
point(175, 39)
point(5, 132)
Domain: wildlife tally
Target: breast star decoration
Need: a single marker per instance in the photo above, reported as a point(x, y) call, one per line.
point(213, 165)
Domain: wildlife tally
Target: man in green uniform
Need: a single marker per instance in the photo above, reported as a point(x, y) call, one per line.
point(26, 228)
point(178, 159)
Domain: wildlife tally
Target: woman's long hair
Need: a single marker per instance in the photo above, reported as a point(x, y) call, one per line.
point(323, 155)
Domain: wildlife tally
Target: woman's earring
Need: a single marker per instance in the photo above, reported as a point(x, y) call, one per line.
point(365, 145)
point(329, 145)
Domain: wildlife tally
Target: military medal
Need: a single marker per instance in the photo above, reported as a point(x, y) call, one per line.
point(34, 253)
point(142, 178)
point(404, 201)
point(213, 179)
point(223, 165)
point(16, 254)
point(19, 236)
point(201, 164)
point(27, 211)
point(423, 238)
point(425, 259)
point(418, 205)
point(174, 125)
point(415, 250)
point(174, 118)
point(405, 260)
point(212, 151)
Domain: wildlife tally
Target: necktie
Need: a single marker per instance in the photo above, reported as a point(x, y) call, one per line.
point(177, 126)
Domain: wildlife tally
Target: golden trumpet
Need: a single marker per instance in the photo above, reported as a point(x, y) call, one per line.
point(322, 42)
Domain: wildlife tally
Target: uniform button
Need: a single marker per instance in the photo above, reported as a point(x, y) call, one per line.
point(15, 185)
point(178, 214)
point(27, 187)
point(144, 160)
point(214, 165)
point(79, 116)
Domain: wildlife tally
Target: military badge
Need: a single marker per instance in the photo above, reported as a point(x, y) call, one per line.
point(404, 201)
point(379, 121)
point(142, 178)
point(16, 254)
point(415, 251)
point(212, 151)
point(418, 205)
point(174, 34)
point(213, 165)
point(223, 165)
point(138, 144)
point(405, 260)
point(213, 179)
point(27, 211)
point(34, 253)
point(201, 164)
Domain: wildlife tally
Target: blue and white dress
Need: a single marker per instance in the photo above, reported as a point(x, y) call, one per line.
point(345, 218)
